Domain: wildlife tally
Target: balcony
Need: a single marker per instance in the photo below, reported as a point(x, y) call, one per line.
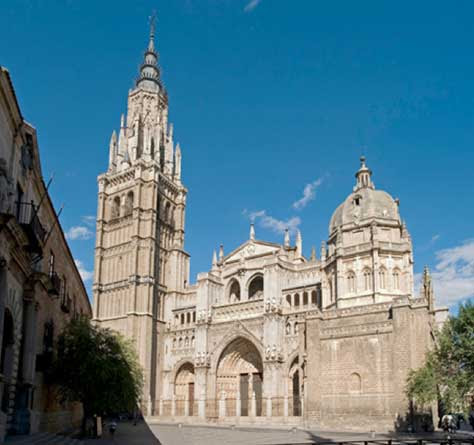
point(28, 218)
point(54, 287)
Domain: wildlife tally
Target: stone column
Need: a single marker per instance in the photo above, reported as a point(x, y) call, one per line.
point(269, 406)
point(285, 406)
point(238, 405)
point(186, 405)
point(222, 406)
point(253, 405)
point(173, 405)
point(160, 407)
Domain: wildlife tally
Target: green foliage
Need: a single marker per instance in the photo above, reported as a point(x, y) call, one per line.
point(97, 367)
point(448, 372)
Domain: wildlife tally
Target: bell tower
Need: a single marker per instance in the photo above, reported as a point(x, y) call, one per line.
point(139, 256)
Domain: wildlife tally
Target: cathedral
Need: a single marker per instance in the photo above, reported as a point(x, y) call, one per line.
point(266, 335)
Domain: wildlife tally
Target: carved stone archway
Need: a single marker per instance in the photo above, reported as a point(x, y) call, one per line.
point(184, 389)
point(239, 378)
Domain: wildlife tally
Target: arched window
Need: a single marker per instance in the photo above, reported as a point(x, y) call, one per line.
point(182, 318)
point(288, 300)
point(128, 209)
point(396, 279)
point(186, 342)
point(355, 382)
point(367, 279)
point(314, 299)
point(115, 213)
point(331, 295)
point(152, 148)
point(383, 278)
point(305, 298)
point(174, 343)
point(194, 317)
point(351, 282)
point(192, 341)
point(234, 291)
point(256, 287)
point(188, 317)
point(297, 300)
point(167, 212)
point(180, 342)
point(288, 328)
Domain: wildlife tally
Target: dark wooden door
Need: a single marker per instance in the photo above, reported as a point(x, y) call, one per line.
point(244, 394)
point(191, 398)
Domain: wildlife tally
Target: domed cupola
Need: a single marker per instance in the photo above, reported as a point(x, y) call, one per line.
point(364, 204)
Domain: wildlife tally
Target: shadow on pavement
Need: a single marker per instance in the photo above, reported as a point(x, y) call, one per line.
point(127, 434)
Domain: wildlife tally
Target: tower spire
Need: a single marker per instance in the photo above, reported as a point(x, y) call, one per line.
point(149, 77)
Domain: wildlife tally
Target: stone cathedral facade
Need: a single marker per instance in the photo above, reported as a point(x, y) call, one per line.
point(266, 335)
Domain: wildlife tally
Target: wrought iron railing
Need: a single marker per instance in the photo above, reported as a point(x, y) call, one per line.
point(27, 216)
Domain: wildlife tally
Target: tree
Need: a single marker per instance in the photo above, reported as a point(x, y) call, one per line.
point(98, 368)
point(448, 372)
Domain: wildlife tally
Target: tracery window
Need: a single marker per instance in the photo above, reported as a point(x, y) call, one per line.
point(351, 282)
point(383, 278)
point(128, 208)
point(115, 211)
point(305, 298)
point(367, 279)
point(396, 279)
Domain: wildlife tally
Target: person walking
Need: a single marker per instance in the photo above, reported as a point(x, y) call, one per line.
point(112, 428)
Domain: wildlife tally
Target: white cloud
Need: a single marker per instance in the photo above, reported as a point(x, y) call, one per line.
point(309, 193)
point(269, 222)
point(453, 274)
point(79, 233)
point(251, 5)
point(85, 274)
point(89, 220)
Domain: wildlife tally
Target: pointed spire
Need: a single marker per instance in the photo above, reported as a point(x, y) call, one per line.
point(363, 176)
point(113, 151)
point(214, 260)
point(149, 78)
point(299, 244)
point(177, 163)
point(286, 241)
point(221, 253)
point(323, 251)
point(252, 232)
point(313, 253)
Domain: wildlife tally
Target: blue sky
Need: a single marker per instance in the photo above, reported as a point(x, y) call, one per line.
point(267, 97)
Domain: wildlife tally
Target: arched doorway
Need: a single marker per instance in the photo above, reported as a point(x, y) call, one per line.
point(240, 376)
point(294, 386)
point(6, 360)
point(184, 390)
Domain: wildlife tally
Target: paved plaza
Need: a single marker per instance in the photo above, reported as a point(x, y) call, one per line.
point(172, 434)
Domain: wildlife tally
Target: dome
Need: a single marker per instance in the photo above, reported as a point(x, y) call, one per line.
point(364, 203)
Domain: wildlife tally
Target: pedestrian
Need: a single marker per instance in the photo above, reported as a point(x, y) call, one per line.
point(112, 428)
point(471, 417)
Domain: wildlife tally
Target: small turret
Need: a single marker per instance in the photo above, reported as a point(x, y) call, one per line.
point(323, 250)
point(177, 163)
point(427, 288)
point(113, 152)
point(363, 176)
point(299, 244)
point(252, 232)
point(221, 253)
point(313, 254)
point(214, 260)
point(286, 240)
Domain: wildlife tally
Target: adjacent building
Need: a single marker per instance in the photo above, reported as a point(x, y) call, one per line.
point(266, 335)
point(40, 286)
